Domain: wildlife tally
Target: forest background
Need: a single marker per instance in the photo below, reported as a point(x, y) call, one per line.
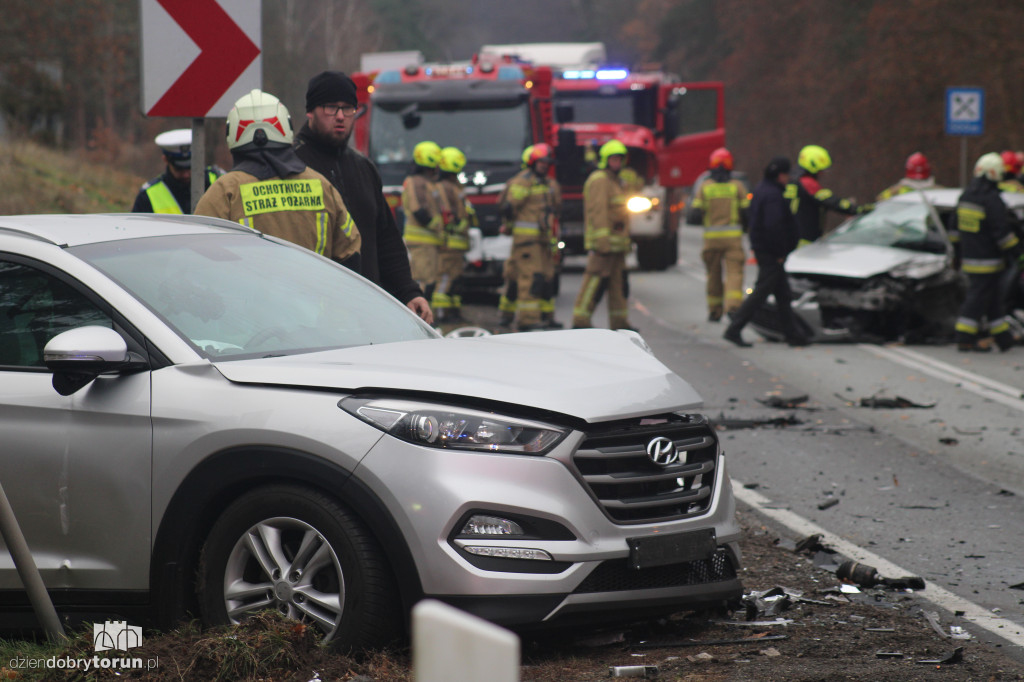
point(866, 79)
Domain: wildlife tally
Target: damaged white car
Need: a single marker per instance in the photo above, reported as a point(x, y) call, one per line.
point(885, 275)
point(199, 420)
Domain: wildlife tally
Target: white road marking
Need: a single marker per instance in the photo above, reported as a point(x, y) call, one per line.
point(801, 527)
point(1005, 394)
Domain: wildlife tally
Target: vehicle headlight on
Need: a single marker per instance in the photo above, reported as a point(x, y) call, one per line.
point(452, 427)
point(640, 204)
point(918, 268)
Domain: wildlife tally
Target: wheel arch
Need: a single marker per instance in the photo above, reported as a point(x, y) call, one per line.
point(220, 479)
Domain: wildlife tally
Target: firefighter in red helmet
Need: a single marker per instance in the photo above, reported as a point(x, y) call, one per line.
point(531, 203)
point(1011, 173)
point(720, 205)
point(918, 175)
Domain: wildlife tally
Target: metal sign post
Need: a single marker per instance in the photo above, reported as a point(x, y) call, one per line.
point(965, 115)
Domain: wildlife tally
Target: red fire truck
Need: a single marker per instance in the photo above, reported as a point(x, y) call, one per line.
point(670, 128)
point(490, 108)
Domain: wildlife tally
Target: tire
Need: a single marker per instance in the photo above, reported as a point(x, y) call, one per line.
point(343, 584)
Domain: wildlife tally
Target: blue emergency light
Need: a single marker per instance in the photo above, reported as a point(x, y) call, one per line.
point(599, 74)
point(612, 74)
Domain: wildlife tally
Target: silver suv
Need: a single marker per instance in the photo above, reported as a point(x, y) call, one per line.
point(200, 419)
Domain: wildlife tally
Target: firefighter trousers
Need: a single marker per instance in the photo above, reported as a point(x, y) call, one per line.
point(983, 310)
point(423, 260)
point(529, 287)
point(447, 299)
point(605, 272)
point(723, 259)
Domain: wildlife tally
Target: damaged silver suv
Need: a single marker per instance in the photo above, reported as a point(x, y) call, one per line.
point(200, 419)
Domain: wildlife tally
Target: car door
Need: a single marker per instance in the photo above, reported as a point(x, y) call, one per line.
point(76, 468)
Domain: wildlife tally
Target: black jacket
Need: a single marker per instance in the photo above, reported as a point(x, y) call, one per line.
point(983, 228)
point(384, 259)
point(773, 228)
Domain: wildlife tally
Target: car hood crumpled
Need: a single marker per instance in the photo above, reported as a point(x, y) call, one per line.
point(592, 374)
point(849, 260)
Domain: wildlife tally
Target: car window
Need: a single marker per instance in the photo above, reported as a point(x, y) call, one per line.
point(901, 224)
point(35, 307)
point(239, 295)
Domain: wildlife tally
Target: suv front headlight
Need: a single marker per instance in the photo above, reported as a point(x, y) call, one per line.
point(458, 428)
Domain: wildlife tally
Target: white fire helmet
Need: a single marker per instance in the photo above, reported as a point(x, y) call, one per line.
point(990, 166)
point(258, 121)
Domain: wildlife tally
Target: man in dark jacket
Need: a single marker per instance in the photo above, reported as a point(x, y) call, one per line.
point(331, 108)
point(773, 236)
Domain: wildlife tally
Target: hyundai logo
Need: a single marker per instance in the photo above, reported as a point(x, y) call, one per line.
point(662, 451)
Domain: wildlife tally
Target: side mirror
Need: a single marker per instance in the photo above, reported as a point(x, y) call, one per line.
point(671, 114)
point(78, 356)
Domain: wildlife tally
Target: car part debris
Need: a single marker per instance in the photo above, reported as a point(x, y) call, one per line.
point(888, 654)
point(796, 402)
point(880, 402)
point(949, 441)
point(829, 503)
point(709, 642)
point(879, 629)
point(1018, 586)
point(955, 656)
point(957, 632)
point(724, 424)
point(867, 576)
point(633, 671)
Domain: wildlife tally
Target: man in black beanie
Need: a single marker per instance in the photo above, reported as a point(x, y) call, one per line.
point(331, 108)
point(773, 236)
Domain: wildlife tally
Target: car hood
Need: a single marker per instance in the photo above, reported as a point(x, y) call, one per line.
point(592, 374)
point(859, 261)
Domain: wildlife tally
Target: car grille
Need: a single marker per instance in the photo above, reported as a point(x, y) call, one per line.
point(616, 575)
point(631, 488)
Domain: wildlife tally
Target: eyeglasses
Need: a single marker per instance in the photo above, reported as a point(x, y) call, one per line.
point(333, 109)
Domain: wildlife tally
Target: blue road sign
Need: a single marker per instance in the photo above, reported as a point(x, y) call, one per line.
point(965, 111)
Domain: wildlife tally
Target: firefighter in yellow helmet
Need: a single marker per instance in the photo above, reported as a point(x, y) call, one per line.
point(171, 192)
point(271, 190)
point(447, 302)
point(606, 238)
point(426, 214)
point(531, 203)
point(720, 204)
point(810, 200)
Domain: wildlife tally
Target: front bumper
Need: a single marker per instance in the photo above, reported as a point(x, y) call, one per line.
point(432, 492)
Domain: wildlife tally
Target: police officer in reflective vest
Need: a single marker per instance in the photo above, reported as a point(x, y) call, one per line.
point(531, 203)
point(813, 201)
point(271, 190)
point(447, 300)
point(606, 238)
point(986, 240)
point(171, 192)
point(720, 205)
point(426, 214)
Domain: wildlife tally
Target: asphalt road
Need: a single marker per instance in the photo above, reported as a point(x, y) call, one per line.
point(938, 491)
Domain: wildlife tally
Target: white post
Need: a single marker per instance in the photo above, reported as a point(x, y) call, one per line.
point(449, 644)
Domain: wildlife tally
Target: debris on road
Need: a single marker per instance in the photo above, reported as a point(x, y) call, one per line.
point(633, 671)
point(725, 424)
point(867, 576)
point(829, 503)
point(882, 402)
point(955, 656)
point(793, 403)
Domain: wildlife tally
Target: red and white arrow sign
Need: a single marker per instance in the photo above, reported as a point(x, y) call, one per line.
point(199, 56)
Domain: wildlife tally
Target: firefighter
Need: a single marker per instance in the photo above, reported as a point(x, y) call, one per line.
point(271, 190)
point(530, 203)
point(447, 301)
point(917, 176)
point(425, 215)
point(606, 238)
point(986, 240)
point(720, 205)
point(171, 192)
point(813, 201)
point(1011, 172)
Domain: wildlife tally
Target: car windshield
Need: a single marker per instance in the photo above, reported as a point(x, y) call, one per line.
point(901, 224)
point(238, 295)
point(485, 130)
